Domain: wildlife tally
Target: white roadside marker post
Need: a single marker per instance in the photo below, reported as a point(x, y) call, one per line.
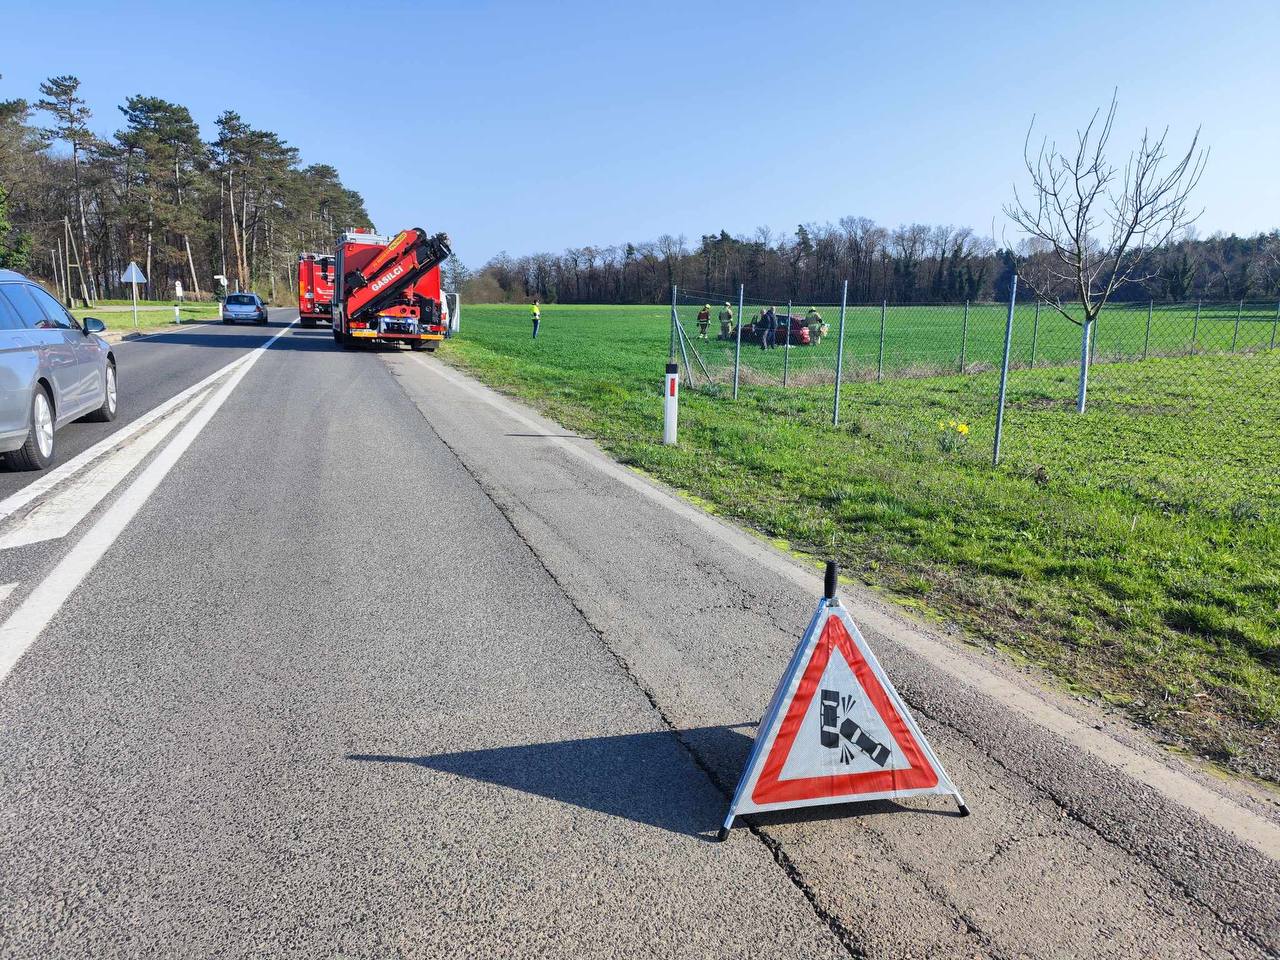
point(670, 402)
point(177, 318)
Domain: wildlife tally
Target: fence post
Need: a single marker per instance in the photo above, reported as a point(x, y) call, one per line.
point(1004, 372)
point(1146, 342)
point(964, 335)
point(786, 350)
point(1235, 337)
point(835, 410)
point(1035, 333)
point(880, 362)
point(680, 339)
point(671, 351)
point(1274, 324)
point(737, 350)
point(1195, 326)
point(1086, 329)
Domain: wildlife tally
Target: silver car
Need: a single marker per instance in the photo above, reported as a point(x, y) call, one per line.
point(244, 306)
point(52, 370)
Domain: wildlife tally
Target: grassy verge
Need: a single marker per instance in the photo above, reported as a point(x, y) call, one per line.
point(151, 319)
point(1115, 550)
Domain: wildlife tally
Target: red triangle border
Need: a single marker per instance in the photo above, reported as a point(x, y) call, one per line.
point(919, 775)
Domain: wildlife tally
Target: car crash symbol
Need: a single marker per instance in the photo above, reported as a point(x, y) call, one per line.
point(840, 731)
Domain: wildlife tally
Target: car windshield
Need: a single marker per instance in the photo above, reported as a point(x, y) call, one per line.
point(241, 299)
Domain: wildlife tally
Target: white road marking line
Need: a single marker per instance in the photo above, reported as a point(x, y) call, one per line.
point(48, 481)
point(27, 622)
point(1246, 826)
point(6, 589)
point(57, 515)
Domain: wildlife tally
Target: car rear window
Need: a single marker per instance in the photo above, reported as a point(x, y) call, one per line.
point(242, 300)
point(30, 314)
point(8, 316)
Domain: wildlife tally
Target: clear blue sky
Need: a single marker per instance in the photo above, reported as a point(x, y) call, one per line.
point(525, 126)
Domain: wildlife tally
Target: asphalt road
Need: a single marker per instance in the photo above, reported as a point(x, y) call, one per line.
point(360, 659)
point(152, 369)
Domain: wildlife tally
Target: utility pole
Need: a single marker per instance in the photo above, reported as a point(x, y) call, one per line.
point(73, 252)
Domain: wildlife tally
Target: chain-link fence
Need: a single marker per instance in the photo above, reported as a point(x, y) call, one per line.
point(1179, 403)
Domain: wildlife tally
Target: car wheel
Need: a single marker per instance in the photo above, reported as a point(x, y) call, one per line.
point(37, 452)
point(227, 320)
point(308, 324)
point(107, 412)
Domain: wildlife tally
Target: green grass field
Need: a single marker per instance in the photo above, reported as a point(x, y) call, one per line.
point(1135, 552)
point(933, 339)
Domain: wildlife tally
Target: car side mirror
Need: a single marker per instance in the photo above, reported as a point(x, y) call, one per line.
point(94, 325)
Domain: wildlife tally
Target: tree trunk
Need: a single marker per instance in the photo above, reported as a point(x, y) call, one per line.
point(86, 260)
point(235, 232)
point(222, 225)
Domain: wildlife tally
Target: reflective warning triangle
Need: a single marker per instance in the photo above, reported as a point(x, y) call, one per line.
point(836, 730)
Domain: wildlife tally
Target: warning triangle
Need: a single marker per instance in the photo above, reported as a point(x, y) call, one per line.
point(836, 730)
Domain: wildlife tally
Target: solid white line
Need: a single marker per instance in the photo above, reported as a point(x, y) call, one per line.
point(57, 515)
point(1258, 832)
point(48, 481)
point(42, 604)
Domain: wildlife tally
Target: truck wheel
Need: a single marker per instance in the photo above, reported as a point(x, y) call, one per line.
point(416, 345)
point(37, 452)
point(308, 324)
point(430, 347)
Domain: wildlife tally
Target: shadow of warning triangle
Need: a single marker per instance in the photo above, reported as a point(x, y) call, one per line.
point(648, 778)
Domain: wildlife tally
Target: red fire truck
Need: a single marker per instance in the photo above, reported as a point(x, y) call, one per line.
point(315, 288)
point(388, 289)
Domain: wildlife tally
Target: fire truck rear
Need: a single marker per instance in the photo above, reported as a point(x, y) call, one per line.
point(315, 288)
point(388, 289)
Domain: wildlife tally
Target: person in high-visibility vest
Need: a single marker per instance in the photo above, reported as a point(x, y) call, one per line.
point(536, 314)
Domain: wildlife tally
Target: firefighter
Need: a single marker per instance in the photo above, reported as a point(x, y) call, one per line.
point(726, 321)
point(813, 320)
point(536, 315)
point(704, 320)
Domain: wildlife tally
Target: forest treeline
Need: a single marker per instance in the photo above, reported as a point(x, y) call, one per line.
point(241, 205)
point(917, 263)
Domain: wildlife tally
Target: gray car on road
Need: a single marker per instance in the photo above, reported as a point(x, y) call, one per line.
point(244, 306)
point(53, 370)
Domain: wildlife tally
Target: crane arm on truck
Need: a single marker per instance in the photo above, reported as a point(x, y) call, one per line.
point(386, 282)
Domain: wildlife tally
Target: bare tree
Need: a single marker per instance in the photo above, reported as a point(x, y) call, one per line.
point(1101, 224)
